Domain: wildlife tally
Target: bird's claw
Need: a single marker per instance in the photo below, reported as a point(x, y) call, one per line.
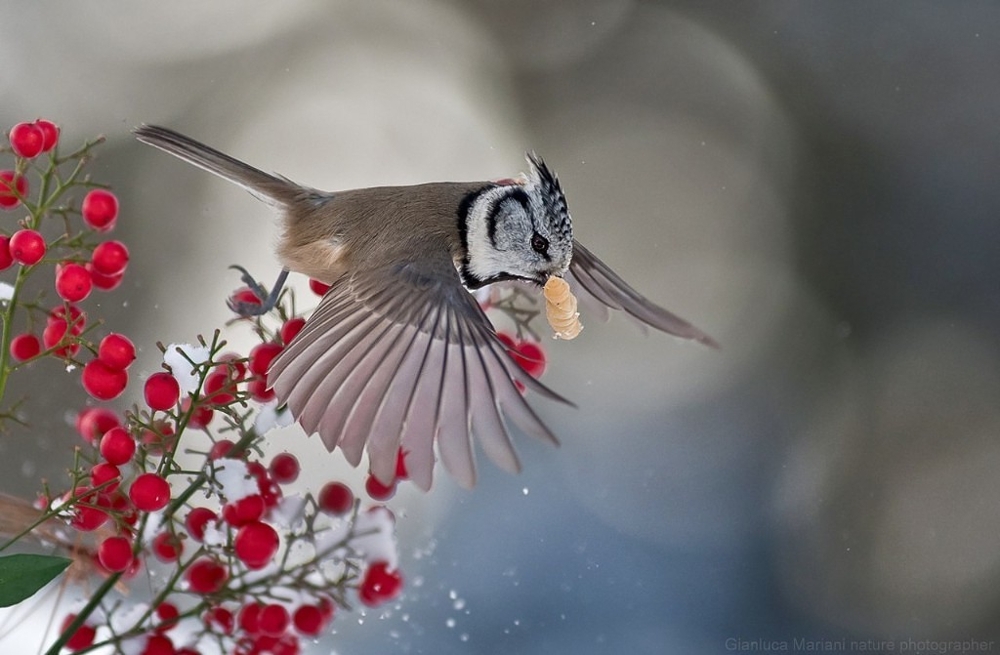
point(249, 280)
point(266, 300)
point(245, 309)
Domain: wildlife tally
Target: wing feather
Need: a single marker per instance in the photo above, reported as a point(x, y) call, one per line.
point(597, 282)
point(418, 435)
point(487, 422)
point(401, 356)
point(452, 421)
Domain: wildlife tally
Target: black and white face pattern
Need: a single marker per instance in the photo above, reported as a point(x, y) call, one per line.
point(517, 230)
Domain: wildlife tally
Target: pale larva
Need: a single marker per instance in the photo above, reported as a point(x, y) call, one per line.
point(560, 308)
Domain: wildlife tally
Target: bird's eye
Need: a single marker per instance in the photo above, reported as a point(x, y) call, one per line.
point(539, 244)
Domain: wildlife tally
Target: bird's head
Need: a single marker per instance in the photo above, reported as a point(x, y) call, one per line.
point(518, 229)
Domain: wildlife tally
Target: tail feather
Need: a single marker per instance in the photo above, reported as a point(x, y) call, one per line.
point(267, 187)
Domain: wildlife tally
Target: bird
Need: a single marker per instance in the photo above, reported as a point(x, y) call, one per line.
point(398, 354)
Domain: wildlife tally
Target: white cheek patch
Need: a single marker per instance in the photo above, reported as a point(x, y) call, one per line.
point(484, 260)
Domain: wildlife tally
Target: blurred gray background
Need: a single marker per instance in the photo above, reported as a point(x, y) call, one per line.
point(811, 183)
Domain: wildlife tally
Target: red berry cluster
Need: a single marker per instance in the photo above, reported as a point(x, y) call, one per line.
point(27, 141)
point(222, 527)
point(236, 579)
point(47, 239)
point(231, 556)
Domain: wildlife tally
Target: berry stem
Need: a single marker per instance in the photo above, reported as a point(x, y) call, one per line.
point(8, 331)
point(169, 588)
point(84, 613)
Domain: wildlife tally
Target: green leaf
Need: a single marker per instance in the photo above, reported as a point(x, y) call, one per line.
point(23, 575)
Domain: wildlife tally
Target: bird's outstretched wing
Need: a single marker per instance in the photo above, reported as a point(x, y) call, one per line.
point(599, 286)
point(402, 355)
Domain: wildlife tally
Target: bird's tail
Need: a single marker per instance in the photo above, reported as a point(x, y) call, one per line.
point(269, 188)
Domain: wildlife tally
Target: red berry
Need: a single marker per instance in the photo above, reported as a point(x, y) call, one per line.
point(284, 468)
point(87, 515)
point(224, 448)
point(56, 329)
point(232, 365)
point(105, 474)
point(103, 382)
point(273, 620)
point(6, 259)
point(206, 576)
point(197, 520)
point(257, 387)
point(149, 492)
point(159, 437)
point(243, 511)
point(249, 618)
point(82, 638)
point(270, 492)
point(54, 333)
point(102, 281)
point(167, 547)
point(73, 282)
point(507, 340)
point(13, 187)
point(50, 133)
point(380, 584)
point(255, 544)
point(116, 350)
point(157, 644)
point(317, 287)
point(93, 422)
point(262, 355)
point(308, 620)
point(531, 358)
point(26, 140)
point(25, 346)
point(335, 498)
point(377, 490)
point(219, 386)
point(74, 316)
point(245, 295)
point(290, 328)
point(117, 447)
point(258, 471)
point(200, 417)
point(220, 618)
point(27, 247)
point(119, 502)
point(327, 607)
point(115, 553)
point(161, 391)
point(100, 209)
point(287, 644)
point(259, 391)
point(167, 613)
point(110, 258)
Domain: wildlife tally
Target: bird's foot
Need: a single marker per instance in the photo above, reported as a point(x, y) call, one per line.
point(266, 300)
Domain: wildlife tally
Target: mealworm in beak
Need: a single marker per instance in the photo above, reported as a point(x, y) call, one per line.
point(560, 309)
